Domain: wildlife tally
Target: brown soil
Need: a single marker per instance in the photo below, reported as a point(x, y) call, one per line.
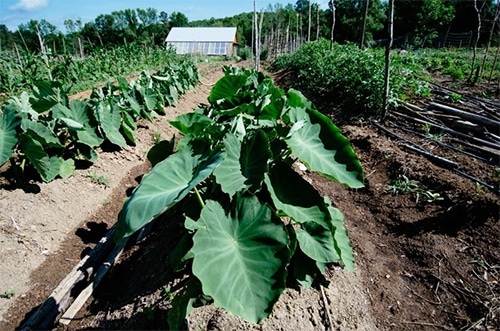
point(420, 265)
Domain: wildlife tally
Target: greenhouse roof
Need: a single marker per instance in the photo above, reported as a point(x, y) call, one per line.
point(211, 34)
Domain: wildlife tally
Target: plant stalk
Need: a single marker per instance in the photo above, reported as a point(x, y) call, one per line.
point(198, 196)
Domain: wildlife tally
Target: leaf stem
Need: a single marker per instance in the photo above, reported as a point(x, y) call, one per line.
point(200, 199)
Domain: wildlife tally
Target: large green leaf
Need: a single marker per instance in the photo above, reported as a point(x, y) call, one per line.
point(8, 139)
point(67, 168)
point(168, 183)
point(309, 148)
point(317, 242)
point(192, 123)
point(67, 116)
point(320, 144)
point(332, 138)
point(110, 120)
point(239, 258)
point(41, 132)
point(46, 94)
point(245, 163)
point(80, 113)
point(294, 196)
point(228, 174)
point(342, 243)
point(23, 105)
point(47, 167)
point(226, 86)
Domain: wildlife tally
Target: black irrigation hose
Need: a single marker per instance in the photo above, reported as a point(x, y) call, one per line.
point(443, 144)
point(493, 104)
point(436, 158)
point(488, 186)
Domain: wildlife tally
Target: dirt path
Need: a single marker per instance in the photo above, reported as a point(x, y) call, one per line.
point(417, 263)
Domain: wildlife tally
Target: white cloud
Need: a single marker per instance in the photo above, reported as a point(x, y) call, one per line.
point(30, 5)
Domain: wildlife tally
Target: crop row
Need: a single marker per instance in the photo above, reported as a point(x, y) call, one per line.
point(43, 129)
point(22, 69)
point(355, 78)
point(253, 225)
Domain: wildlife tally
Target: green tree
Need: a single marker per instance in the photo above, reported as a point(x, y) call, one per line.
point(178, 19)
point(6, 37)
point(424, 17)
point(349, 22)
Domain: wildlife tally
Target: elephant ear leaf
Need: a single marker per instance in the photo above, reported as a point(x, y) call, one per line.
point(110, 120)
point(8, 138)
point(226, 87)
point(319, 144)
point(167, 184)
point(238, 257)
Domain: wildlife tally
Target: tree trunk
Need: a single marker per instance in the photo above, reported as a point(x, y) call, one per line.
point(474, 50)
point(317, 20)
point(256, 29)
point(80, 46)
point(309, 22)
point(494, 64)
point(296, 32)
point(253, 28)
point(332, 3)
point(362, 42)
point(385, 104)
point(493, 26)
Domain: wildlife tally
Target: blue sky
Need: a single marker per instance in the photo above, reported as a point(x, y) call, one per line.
point(16, 12)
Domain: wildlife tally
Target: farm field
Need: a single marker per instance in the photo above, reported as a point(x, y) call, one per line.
point(423, 262)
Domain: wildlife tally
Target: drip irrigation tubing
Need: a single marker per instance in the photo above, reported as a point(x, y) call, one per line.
point(421, 135)
point(435, 158)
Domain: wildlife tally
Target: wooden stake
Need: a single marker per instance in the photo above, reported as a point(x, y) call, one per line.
point(87, 292)
point(59, 298)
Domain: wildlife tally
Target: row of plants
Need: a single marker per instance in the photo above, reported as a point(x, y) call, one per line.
point(21, 69)
point(44, 130)
point(253, 224)
point(356, 77)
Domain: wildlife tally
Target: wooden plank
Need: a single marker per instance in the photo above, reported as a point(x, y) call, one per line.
point(59, 299)
point(87, 292)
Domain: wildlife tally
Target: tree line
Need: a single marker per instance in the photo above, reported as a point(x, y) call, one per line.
point(282, 27)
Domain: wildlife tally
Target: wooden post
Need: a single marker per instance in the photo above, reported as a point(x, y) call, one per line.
point(18, 55)
point(494, 64)
point(24, 42)
point(332, 3)
point(297, 40)
point(476, 41)
point(309, 22)
point(493, 26)
point(385, 104)
point(256, 30)
point(64, 45)
point(317, 20)
point(363, 31)
point(253, 29)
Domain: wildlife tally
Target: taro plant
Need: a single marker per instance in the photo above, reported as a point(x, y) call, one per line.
point(48, 132)
point(252, 222)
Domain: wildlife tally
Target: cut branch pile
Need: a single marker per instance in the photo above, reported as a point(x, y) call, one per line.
point(459, 123)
